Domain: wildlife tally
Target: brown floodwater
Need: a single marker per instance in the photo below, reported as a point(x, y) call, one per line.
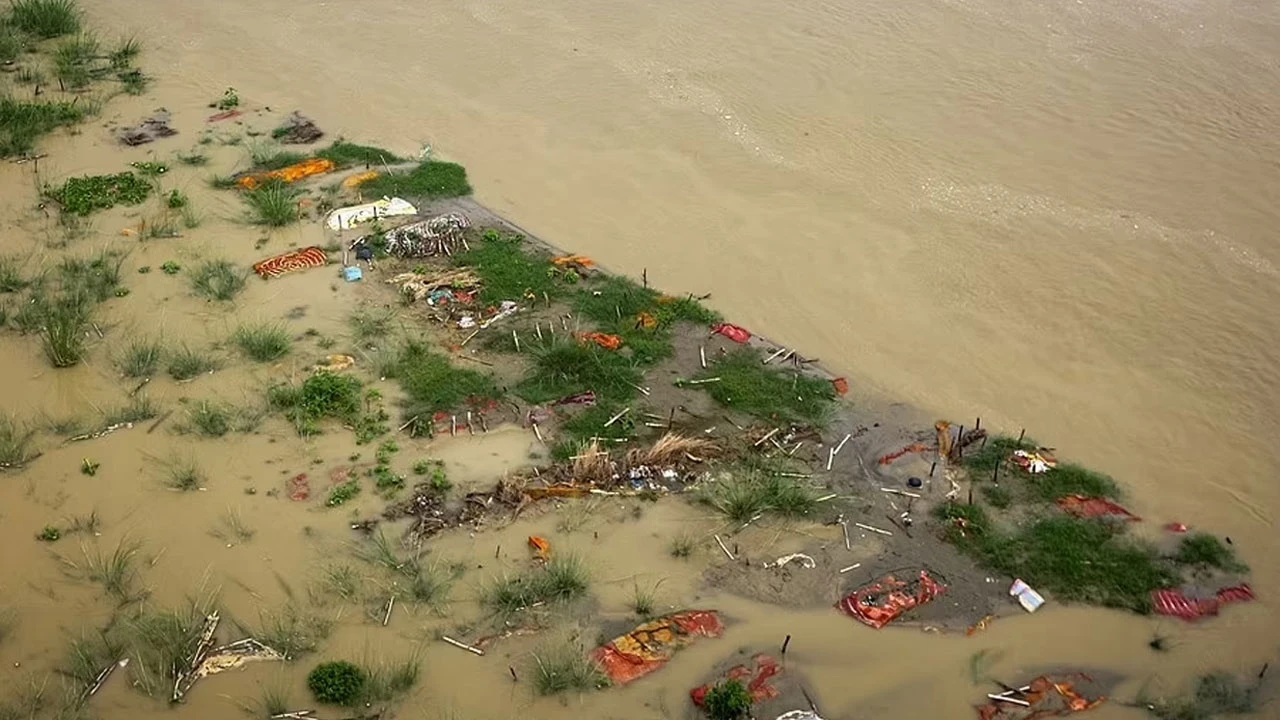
point(1053, 216)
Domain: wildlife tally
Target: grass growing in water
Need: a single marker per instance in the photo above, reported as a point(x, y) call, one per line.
point(1066, 479)
point(1215, 694)
point(323, 395)
point(83, 195)
point(15, 443)
point(748, 494)
point(1205, 550)
point(432, 384)
point(161, 643)
point(46, 18)
point(643, 318)
point(563, 666)
point(746, 384)
point(563, 366)
point(345, 154)
point(139, 409)
point(1076, 560)
point(263, 342)
point(232, 528)
point(63, 322)
point(23, 122)
point(274, 203)
point(368, 324)
point(212, 419)
point(430, 180)
point(218, 280)
point(386, 681)
point(681, 546)
point(562, 579)
point(506, 271)
point(186, 363)
point(184, 475)
point(292, 632)
point(141, 358)
point(115, 571)
point(11, 279)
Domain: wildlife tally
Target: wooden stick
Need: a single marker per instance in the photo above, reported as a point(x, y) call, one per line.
point(896, 491)
point(391, 603)
point(470, 430)
point(643, 390)
point(617, 417)
point(484, 426)
point(873, 529)
point(844, 527)
point(407, 423)
point(467, 339)
point(464, 646)
point(825, 498)
point(537, 327)
point(831, 457)
point(1021, 434)
point(702, 355)
point(762, 440)
point(841, 445)
point(722, 547)
point(854, 566)
point(1015, 701)
point(158, 422)
point(453, 425)
point(515, 336)
point(785, 643)
point(776, 354)
point(794, 449)
point(538, 432)
point(702, 382)
point(513, 673)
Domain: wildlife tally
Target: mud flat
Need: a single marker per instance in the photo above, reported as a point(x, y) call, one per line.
point(258, 425)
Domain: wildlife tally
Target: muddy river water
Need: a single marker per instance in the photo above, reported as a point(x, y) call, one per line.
point(1057, 216)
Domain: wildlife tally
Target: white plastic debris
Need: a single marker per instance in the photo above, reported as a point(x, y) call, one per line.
point(349, 217)
point(1028, 598)
point(805, 561)
point(799, 715)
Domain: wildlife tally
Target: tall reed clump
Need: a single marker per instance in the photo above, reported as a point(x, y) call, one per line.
point(46, 18)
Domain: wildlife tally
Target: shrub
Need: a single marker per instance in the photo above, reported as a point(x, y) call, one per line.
point(728, 701)
point(337, 683)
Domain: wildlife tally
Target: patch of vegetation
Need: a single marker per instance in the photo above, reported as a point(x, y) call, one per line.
point(682, 546)
point(83, 195)
point(213, 419)
point(645, 600)
point(136, 410)
point(229, 100)
point(62, 322)
point(193, 159)
point(431, 180)
point(388, 681)
point(323, 395)
point(150, 168)
point(74, 61)
point(263, 342)
point(49, 534)
point(184, 475)
point(268, 156)
point(1205, 550)
point(337, 682)
point(160, 643)
point(186, 363)
point(218, 280)
point(565, 577)
point(115, 570)
point(345, 154)
point(46, 18)
point(368, 324)
point(564, 366)
point(23, 122)
point(343, 581)
point(432, 384)
point(232, 528)
point(13, 43)
point(563, 666)
point(748, 385)
point(292, 632)
point(642, 317)
point(747, 494)
point(506, 271)
point(274, 203)
point(1075, 559)
point(170, 268)
point(11, 279)
point(342, 493)
point(997, 497)
point(94, 278)
point(141, 358)
point(1216, 694)
point(728, 700)
point(176, 199)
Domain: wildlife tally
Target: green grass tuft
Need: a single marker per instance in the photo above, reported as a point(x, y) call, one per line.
point(431, 180)
point(115, 571)
point(186, 363)
point(274, 203)
point(749, 493)
point(1205, 550)
point(218, 280)
point(433, 384)
point(1074, 559)
point(46, 18)
point(507, 272)
point(141, 358)
point(15, 443)
point(212, 419)
point(747, 385)
point(160, 643)
point(323, 395)
point(22, 122)
point(262, 342)
point(63, 325)
point(562, 579)
point(345, 154)
point(369, 324)
point(11, 278)
point(621, 308)
point(267, 156)
point(184, 475)
point(563, 666)
point(137, 410)
point(564, 366)
point(682, 546)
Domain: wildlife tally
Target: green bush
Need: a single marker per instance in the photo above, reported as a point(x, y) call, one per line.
point(728, 701)
point(337, 683)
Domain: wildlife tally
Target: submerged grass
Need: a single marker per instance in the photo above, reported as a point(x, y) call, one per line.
point(187, 362)
point(11, 277)
point(218, 280)
point(263, 342)
point(387, 680)
point(748, 385)
point(136, 410)
point(345, 154)
point(369, 324)
point(64, 320)
point(141, 358)
point(214, 419)
point(291, 631)
point(15, 442)
point(184, 475)
point(564, 578)
point(24, 122)
point(1205, 550)
point(562, 666)
point(430, 180)
point(1215, 695)
point(274, 203)
point(114, 570)
point(161, 642)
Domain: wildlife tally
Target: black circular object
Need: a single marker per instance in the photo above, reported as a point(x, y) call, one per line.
point(915, 482)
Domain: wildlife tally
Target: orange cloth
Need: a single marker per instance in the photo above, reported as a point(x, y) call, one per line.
point(358, 180)
point(649, 646)
point(293, 173)
point(604, 340)
point(541, 546)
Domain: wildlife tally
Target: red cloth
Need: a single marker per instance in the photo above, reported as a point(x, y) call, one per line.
point(299, 487)
point(885, 600)
point(1173, 601)
point(650, 645)
point(1087, 507)
point(733, 332)
point(290, 261)
point(756, 679)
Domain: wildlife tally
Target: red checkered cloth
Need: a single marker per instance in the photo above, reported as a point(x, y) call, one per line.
point(290, 261)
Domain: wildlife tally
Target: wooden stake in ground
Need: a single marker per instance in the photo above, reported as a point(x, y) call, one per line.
point(617, 417)
point(702, 355)
point(464, 646)
point(391, 603)
point(722, 547)
point(515, 336)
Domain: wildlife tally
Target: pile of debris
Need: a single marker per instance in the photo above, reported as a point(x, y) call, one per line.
point(672, 464)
